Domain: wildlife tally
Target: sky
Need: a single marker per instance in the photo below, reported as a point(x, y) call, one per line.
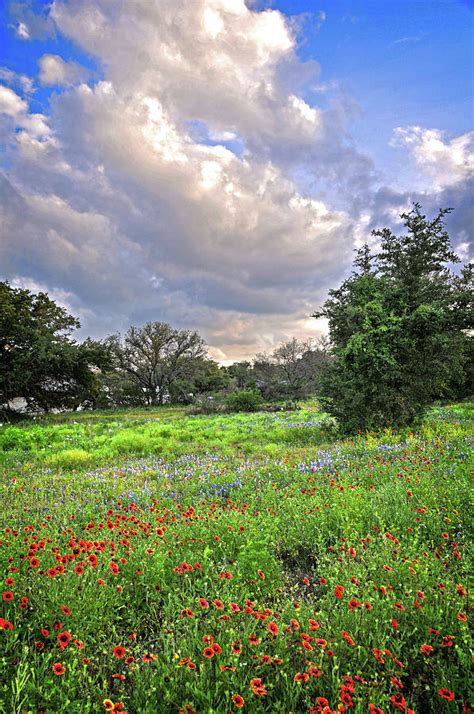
point(214, 163)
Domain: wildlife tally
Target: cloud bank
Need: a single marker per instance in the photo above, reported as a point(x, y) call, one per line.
point(190, 184)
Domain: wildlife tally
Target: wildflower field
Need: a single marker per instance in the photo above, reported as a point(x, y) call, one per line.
point(158, 562)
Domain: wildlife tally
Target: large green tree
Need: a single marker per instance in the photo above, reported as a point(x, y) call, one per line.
point(38, 359)
point(400, 328)
point(156, 357)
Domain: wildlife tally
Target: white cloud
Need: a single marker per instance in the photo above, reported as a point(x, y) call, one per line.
point(16, 109)
point(17, 80)
point(445, 162)
point(220, 63)
point(23, 31)
point(55, 71)
point(118, 201)
point(10, 103)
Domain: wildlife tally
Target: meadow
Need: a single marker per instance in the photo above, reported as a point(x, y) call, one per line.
point(154, 561)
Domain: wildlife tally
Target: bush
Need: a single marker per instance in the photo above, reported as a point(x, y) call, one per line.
point(13, 438)
point(247, 400)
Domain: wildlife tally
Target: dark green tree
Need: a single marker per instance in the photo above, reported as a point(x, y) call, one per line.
point(200, 377)
point(400, 328)
point(38, 359)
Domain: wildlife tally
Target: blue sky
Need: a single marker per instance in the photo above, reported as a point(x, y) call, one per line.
point(344, 111)
point(403, 61)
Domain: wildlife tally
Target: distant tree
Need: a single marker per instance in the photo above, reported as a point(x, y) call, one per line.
point(38, 359)
point(117, 389)
point(156, 356)
point(241, 374)
point(400, 328)
point(201, 376)
point(292, 370)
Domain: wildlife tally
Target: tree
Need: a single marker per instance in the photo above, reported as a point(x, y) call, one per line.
point(241, 374)
point(156, 356)
point(201, 376)
point(38, 359)
point(399, 328)
point(292, 370)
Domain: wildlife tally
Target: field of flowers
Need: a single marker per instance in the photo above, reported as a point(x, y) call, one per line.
point(156, 562)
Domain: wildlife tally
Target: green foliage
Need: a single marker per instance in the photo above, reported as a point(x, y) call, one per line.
point(38, 360)
point(128, 434)
point(246, 400)
point(399, 329)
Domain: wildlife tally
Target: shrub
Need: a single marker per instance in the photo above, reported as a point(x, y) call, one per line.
point(247, 400)
point(13, 438)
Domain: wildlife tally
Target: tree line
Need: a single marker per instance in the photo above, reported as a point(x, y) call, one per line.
point(154, 364)
point(400, 337)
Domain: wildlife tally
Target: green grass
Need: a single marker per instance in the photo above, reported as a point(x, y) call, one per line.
point(115, 524)
point(91, 439)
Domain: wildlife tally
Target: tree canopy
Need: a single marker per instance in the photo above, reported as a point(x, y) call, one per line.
point(38, 359)
point(156, 357)
point(400, 328)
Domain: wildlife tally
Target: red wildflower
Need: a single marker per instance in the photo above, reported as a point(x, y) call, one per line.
point(119, 652)
point(348, 638)
point(64, 639)
point(446, 694)
point(273, 628)
point(238, 701)
point(58, 669)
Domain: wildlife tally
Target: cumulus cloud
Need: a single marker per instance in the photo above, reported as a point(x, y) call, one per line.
point(446, 162)
point(55, 71)
point(186, 185)
point(449, 166)
point(14, 112)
